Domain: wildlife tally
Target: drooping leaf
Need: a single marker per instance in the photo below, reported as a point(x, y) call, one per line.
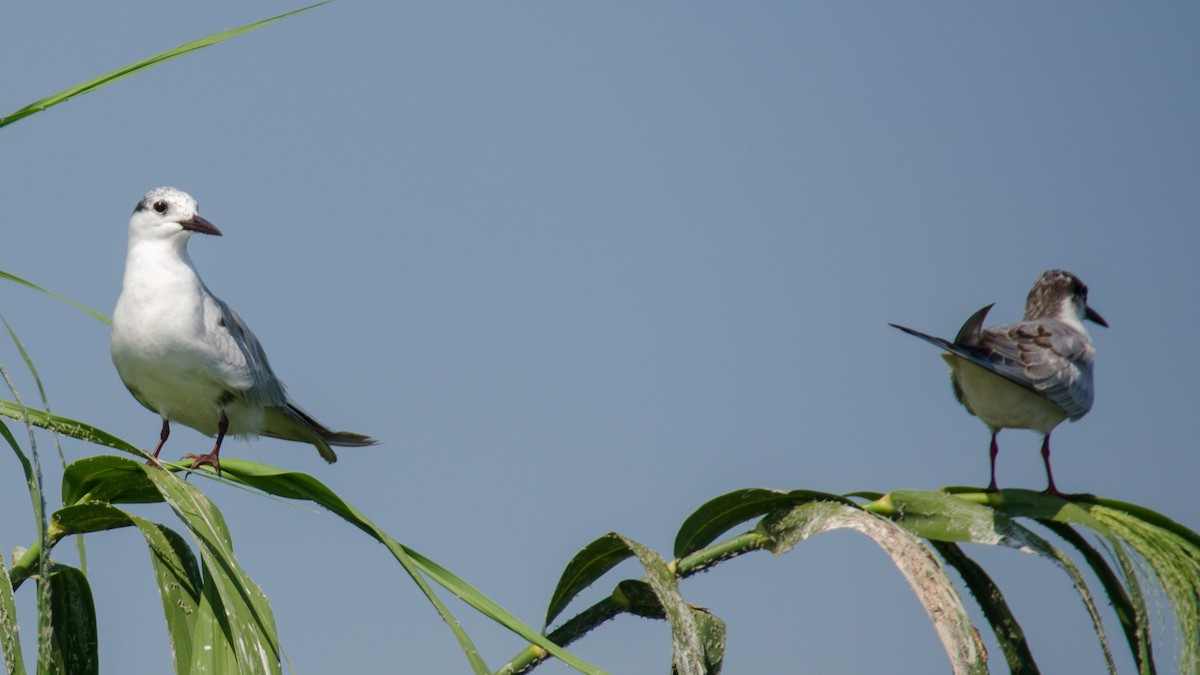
point(591, 563)
point(920, 567)
point(74, 642)
point(68, 427)
point(108, 478)
point(723, 513)
point(249, 624)
point(19, 280)
point(296, 485)
point(945, 517)
point(10, 636)
point(995, 609)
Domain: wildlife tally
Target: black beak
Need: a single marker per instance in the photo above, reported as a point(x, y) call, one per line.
point(198, 224)
point(1091, 315)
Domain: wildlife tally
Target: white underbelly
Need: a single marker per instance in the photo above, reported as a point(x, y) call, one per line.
point(1000, 403)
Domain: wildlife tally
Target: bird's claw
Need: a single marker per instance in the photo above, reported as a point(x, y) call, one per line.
point(210, 459)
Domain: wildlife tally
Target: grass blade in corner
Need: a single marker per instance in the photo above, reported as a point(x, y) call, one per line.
point(126, 71)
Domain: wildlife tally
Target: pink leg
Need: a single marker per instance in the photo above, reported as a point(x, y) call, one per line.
point(213, 458)
point(993, 451)
point(1051, 488)
point(162, 438)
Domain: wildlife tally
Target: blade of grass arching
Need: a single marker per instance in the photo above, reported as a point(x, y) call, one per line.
point(1175, 561)
point(10, 636)
point(995, 609)
point(33, 480)
point(67, 427)
point(126, 71)
point(79, 545)
point(294, 485)
point(925, 574)
point(251, 624)
point(74, 638)
point(1133, 618)
point(89, 310)
point(719, 515)
point(965, 518)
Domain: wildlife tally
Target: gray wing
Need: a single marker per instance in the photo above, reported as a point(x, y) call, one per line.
point(238, 354)
point(1045, 356)
point(1048, 356)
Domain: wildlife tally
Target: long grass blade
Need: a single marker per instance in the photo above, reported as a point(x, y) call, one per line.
point(126, 71)
point(296, 485)
point(10, 635)
point(67, 427)
point(85, 308)
point(995, 609)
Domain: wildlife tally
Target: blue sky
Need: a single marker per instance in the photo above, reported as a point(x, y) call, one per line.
point(584, 266)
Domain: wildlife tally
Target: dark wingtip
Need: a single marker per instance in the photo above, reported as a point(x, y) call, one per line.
point(971, 333)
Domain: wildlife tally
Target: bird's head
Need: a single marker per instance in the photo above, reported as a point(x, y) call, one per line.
point(167, 213)
point(1061, 295)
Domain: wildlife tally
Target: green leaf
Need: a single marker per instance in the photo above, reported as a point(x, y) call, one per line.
point(712, 636)
point(180, 582)
point(1131, 612)
point(248, 625)
point(995, 609)
point(688, 654)
point(74, 642)
point(1173, 557)
point(10, 636)
point(68, 427)
point(920, 567)
point(591, 563)
point(294, 485)
point(19, 280)
point(107, 478)
point(120, 73)
point(944, 517)
point(723, 513)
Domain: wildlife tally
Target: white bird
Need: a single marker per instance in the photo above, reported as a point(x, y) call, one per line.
point(1032, 374)
point(184, 354)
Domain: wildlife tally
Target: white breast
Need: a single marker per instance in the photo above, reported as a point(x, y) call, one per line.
point(1002, 404)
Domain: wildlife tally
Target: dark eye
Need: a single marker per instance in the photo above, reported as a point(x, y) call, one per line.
point(160, 206)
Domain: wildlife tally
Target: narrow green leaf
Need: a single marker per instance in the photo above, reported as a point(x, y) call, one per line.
point(68, 427)
point(1174, 559)
point(688, 656)
point(180, 583)
point(995, 609)
point(19, 280)
point(120, 73)
point(250, 624)
point(591, 563)
point(1133, 618)
point(296, 485)
point(712, 636)
point(920, 567)
point(108, 478)
point(723, 513)
point(74, 641)
point(944, 517)
point(10, 636)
